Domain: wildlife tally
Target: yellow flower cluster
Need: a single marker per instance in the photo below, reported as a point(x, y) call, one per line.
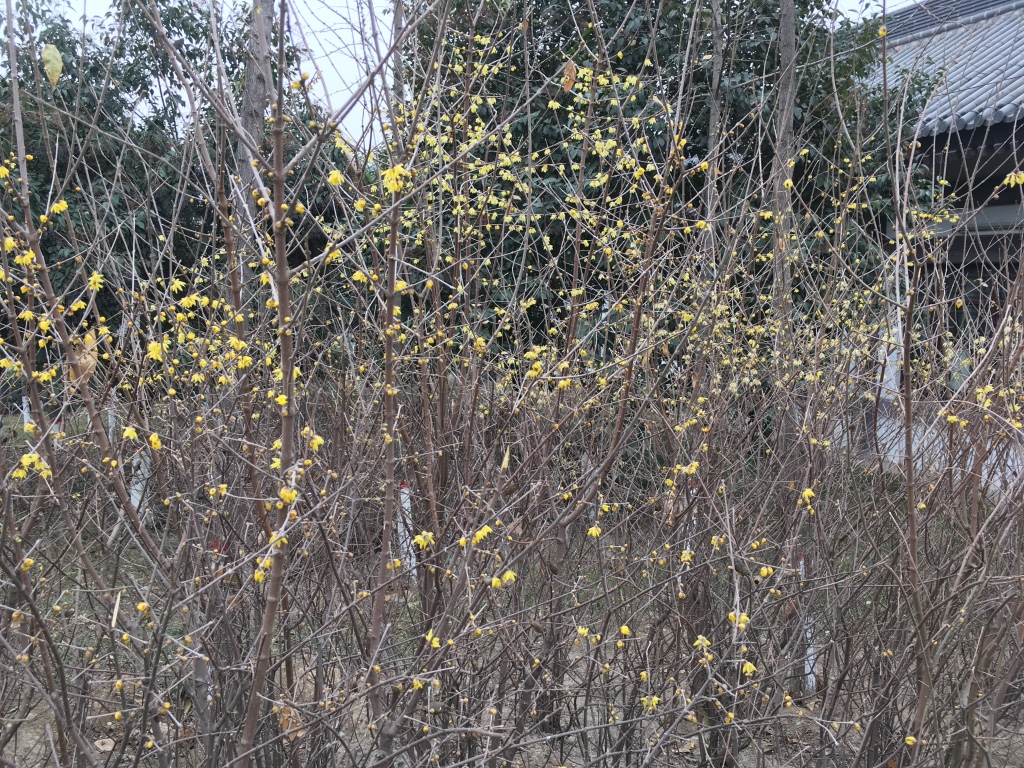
point(394, 178)
point(31, 461)
point(424, 539)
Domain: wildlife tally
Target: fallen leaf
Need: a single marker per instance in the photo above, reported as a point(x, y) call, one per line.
point(291, 723)
point(87, 359)
point(105, 745)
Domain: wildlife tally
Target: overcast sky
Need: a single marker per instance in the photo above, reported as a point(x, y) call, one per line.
point(334, 32)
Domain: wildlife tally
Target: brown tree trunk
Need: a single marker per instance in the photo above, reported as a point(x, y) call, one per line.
point(781, 170)
point(256, 89)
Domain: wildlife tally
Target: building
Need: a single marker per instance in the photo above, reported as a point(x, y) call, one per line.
point(963, 62)
point(958, 71)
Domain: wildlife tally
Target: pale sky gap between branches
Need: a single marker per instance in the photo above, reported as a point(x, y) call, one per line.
point(334, 33)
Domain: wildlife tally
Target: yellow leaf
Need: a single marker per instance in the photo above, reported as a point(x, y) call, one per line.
point(53, 63)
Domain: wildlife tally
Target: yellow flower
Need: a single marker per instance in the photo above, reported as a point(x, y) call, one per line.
point(95, 281)
point(423, 539)
point(155, 351)
point(748, 668)
point(27, 563)
point(910, 741)
point(360, 205)
point(288, 495)
point(142, 607)
point(359, 276)
point(594, 531)
point(129, 433)
point(508, 576)
point(9, 243)
point(281, 400)
point(316, 442)
point(650, 703)
point(625, 631)
point(394, 178)
point(482, 534)
point(740, 621)
point(882, 32)
point(495, 583)
point(259, 575)
point(582, 631)
point(154, 441)
point(807, 495)
point(334, 178)
point(59, 207)
point(4, 173)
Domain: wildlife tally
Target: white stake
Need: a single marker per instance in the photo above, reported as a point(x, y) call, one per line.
point(404, 530)
point(810, 659)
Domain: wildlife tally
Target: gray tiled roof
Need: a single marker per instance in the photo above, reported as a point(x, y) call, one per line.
point(921, 16)
point(975, 52)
